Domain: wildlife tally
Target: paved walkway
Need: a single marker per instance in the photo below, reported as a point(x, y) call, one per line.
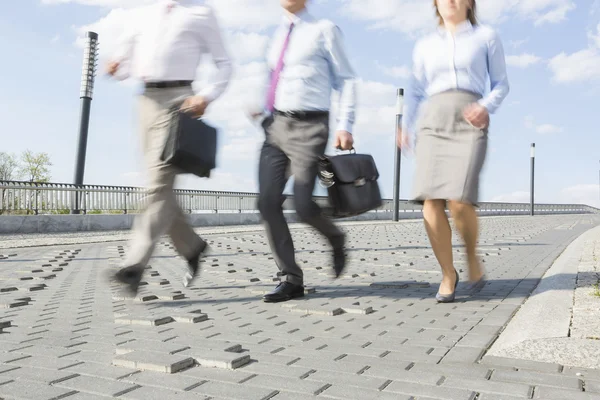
point(376, 333)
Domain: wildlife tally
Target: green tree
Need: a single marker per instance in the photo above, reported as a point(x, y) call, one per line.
point(8, 167)
point(35, 167)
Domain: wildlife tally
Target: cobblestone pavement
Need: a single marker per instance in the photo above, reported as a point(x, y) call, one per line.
point(376, 333)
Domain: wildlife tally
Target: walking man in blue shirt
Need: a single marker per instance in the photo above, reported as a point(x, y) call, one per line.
point(307, 60)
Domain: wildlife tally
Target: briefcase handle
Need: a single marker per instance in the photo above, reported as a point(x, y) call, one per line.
point(351, 151)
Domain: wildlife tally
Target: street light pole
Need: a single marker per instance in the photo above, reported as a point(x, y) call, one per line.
point(88, 74)
point(398, 154)
point(532, 181)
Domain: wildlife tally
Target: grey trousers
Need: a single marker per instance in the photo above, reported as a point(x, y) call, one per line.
point(162, 214)
point(292, 147)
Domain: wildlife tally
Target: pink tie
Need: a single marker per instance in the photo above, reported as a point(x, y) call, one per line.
point(276, 72)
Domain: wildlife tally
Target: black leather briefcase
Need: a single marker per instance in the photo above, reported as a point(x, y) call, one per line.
point(351, 182)
point(191, 144)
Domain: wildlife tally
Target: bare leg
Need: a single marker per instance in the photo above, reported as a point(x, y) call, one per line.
point(465, 218)
point(440, 237)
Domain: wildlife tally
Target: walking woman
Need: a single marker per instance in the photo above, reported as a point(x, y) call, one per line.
point(448, 109)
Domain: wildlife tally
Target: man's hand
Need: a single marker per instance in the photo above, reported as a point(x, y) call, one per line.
point(402, 140)
point(195, 106)
point(112, 68)
point(343, 140)
point(477, 115)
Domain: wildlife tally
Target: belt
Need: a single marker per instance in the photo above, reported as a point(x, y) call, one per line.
point(167, 84)
point(302, 115)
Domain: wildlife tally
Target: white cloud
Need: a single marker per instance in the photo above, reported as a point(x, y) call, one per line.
point(514, 197)
point(543, 129)
point(103, 3)
point(523, 60)
point(248, 14)
point(588, 194)
point(401, 72)
point(515, 44)
point(412, 17)
point(55, 39)
point(548, 129)
point(581, 66)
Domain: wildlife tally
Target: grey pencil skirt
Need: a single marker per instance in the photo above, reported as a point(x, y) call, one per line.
point(449, 151)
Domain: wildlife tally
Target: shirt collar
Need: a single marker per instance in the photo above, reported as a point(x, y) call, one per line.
point(300, 16)
point(463, 27)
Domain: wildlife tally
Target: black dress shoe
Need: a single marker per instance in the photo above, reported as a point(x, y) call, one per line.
point(194, 265)
point(339, 255)
point(130, 276)
point(285, 291)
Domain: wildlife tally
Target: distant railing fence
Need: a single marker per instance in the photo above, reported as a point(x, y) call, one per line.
point(58, 198)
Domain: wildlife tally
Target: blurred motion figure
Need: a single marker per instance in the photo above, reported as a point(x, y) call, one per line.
point(307, 61)
point(164, 52)
point(448, 109)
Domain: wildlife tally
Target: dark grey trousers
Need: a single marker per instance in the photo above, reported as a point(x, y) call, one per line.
point(292, 147)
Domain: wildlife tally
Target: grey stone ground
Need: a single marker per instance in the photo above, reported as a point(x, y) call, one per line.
point(376, 333)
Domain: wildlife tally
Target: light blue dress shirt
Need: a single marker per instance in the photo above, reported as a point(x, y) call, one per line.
point(463, 61)
point(315, 62)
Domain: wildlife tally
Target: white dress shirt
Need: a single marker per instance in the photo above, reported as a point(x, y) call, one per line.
point(315, 62)
point(463, 61)
point(168, 44)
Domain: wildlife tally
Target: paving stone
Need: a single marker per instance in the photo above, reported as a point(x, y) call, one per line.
point(177, 382)
point(233, 391)
point(220, 359)
point(149, 320)
point(401, 374)
point(101, 370)
point(488, 396)
point(418, 391)
point(155, 346)
point(220, 375)
point(153, 361)
point(548, 393)
point(33, 391)
point(46, 362)
point(465, 371)
point(39, 375)
point(97, 386)
point(302, 386)
point(463, 355)
point(343, 392)
point(485, 386)
point(153, 393)
point(537, 378)
point(340, 378)
point(520, 364)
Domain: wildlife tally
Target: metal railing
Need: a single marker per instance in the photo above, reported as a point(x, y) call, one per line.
point(60, 198)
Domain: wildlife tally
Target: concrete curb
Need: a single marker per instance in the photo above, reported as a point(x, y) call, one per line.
point(17, 224)
point(539, 331)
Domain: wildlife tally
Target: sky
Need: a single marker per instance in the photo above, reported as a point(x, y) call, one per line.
point(553, 56)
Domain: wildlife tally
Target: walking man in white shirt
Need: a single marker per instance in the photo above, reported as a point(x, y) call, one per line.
point(164, 52)
point(307, 60)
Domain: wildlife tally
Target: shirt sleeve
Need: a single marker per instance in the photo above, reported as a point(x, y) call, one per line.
point(499, 86)
point(416, 92)
point(125, 45)
point(344, 80)
point(211, 33)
